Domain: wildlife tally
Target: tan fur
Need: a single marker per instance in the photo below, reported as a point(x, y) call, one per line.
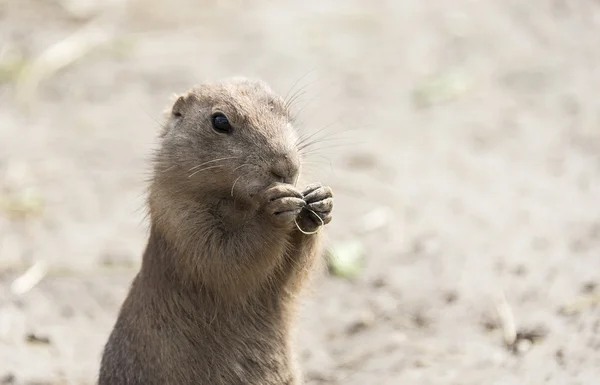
point(214, 299)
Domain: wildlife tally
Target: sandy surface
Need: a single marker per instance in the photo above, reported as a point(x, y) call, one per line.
point(486, 181)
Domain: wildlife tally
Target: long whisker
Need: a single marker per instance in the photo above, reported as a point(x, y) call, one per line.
point(337, 145)
point(296, 83)
point(168, 168)
point(204, 169)
point(335, 96)
point(212, 161)
point(238, 167)
point(317, 149)
point(234, 182)
point(295, 98)
point(326, 137)
point(322, 159)
point(304, 139)
point(238, 178)
point(298, 94)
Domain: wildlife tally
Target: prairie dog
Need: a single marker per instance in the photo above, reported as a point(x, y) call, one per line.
point(232, 240)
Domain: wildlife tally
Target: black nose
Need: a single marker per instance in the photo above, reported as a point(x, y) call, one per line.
point(284, 169)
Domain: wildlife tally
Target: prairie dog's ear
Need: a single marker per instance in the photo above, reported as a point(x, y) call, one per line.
point(179, 108)
point(182, 104)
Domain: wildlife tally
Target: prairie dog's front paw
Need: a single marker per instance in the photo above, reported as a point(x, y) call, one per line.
point(282, 203)
point(319, 205)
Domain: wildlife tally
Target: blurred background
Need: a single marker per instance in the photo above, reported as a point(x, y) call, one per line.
point(461, 138)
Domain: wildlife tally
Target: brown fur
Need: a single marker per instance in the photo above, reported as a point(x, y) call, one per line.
point(214, 299)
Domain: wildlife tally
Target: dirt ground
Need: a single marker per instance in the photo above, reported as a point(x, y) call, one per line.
point(464, 154)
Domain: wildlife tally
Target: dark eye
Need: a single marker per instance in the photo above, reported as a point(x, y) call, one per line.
point(220, 123)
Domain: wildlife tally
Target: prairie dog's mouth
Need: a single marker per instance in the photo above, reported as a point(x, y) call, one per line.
point(248, 182)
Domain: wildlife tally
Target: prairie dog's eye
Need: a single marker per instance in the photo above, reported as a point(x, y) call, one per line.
point(220, 123)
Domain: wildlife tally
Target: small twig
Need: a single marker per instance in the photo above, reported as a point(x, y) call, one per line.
point(29, 279)
point(507, 320)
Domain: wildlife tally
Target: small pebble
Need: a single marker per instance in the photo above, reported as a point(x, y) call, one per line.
point(37, 339)
point(523, 346)
point(8, 379)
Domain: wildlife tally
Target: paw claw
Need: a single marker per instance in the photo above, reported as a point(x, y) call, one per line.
point(318, 194)
point(319, 201)
point(323, 206)
point(310, 188)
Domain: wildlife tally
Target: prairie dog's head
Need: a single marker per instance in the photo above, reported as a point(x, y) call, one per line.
point(227, 139)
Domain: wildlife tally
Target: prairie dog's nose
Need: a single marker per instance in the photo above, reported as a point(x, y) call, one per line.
point(285, 169)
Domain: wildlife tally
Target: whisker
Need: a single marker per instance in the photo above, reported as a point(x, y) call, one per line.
point(204, 169)
point(313, 134)
point(212, 161)
point(322, 159)
point(308, 102)
point(298, 81)
point(238, 167)
point(334, 96)
point(316, 149)
point(238, 178)
point(326, 137)
point(160, 124)
point(298, 93)
point(300, 142)
point(322, 140)
point(165, 170)
point(234, 182)
point(295, 98)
